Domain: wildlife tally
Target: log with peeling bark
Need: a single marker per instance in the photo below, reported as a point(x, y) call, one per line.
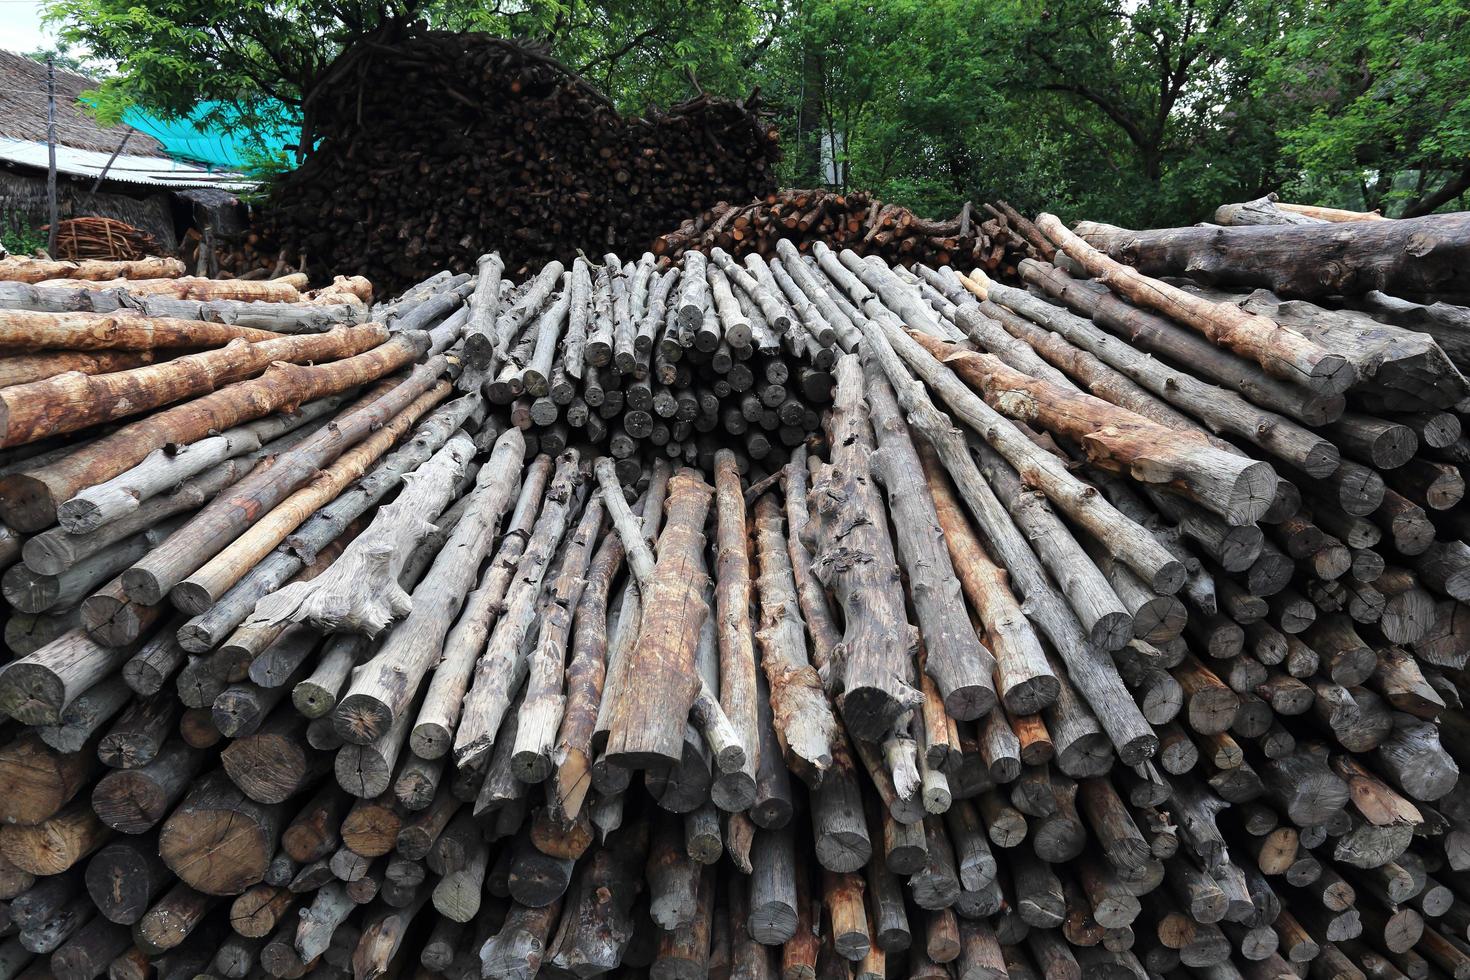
point(1281, 352)
point(1223, 746)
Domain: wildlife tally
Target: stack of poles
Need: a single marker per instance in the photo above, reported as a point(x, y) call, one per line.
point(1103, 625)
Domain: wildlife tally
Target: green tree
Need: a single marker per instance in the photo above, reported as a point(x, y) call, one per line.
point(1377, 96)
point(1152, 100)
point(256, 63)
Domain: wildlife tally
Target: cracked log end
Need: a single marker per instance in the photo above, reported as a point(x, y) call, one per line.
point(361, 719)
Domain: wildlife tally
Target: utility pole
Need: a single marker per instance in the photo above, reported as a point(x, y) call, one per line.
point(51, 157)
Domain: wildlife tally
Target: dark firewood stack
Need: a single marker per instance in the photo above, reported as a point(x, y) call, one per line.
point(861, 222)
point(441, 141)
point(1094, 621)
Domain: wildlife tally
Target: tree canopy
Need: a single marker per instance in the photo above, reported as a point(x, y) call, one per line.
point(1141, 111)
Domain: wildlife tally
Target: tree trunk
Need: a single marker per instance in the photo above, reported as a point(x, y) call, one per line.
point(1281, 352)
point(1408, 257)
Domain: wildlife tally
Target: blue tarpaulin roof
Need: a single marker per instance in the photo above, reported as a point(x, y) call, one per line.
point(192, 141)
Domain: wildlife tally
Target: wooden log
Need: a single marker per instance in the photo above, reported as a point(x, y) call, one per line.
point(69, 402)
point(218, 840)
point(1236, 488)
point(1039, 468)
point(133, 800)
point(541, 714)
point(648, 730)
point(1291, 260)
point(1281, 353)
point(801, 715)
point(102, 507)
point(27, 330)
point(773, 899)
point(1160, 335)
point(734, 631)
point(210, 582)
point(484, 306)
point(502, 666)
point(37, 779)
point(36, 689)
point(877, 677)
point(124, 877)
point(815, 611)
point(431, 737)
point(55, 844)
point(31, 497)
point(600, 923)
point(958, 663)
point(384, 687)
point(586, 676)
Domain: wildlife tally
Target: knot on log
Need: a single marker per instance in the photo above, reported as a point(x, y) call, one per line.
point(1017, 404)
point(841, 560)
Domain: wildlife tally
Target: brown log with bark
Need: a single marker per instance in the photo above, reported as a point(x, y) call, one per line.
point(1282, 353)
point(29, 497)
point(647, 729)
point(854, 558)
point(1408, 257)
point(70, 402)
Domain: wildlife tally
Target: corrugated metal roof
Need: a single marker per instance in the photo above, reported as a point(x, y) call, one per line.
point(148, 171)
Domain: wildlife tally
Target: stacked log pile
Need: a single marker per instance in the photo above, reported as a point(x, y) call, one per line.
point(1095, 622)
point(861, 222)
point(443, 141)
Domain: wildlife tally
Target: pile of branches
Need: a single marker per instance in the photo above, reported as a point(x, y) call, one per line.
point(448, 141)
point(101, 238)
point(858, 221)
point(1111, 627)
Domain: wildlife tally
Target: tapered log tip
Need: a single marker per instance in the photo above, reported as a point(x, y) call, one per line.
point(361, 719)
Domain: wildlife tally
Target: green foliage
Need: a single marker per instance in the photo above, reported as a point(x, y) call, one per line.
point(17, 235)
point(1139, 111)
point(1378, 95)
point(61, 55)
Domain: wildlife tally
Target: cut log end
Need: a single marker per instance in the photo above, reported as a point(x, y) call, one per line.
point(1250, 495)
point(1332, 375)
point(1112, 631)
point(361, 719)
point(192, 598)
point(26, 503)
